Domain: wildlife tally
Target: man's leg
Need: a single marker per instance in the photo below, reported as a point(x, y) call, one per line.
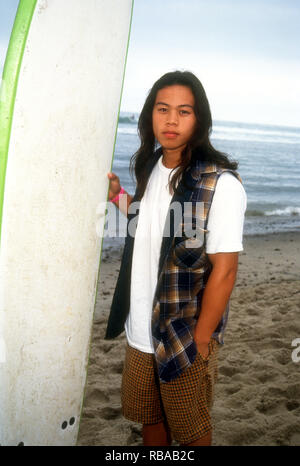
point(141, 402)
point(188, 399)
point(156, 435)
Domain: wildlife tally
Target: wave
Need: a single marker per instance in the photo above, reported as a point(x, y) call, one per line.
point(129, 120)
point(255, 213)
point(224, 137)
point(231, 134)
point(256, 131)
point(286, 212)
point(128, 129)
point(289, 211)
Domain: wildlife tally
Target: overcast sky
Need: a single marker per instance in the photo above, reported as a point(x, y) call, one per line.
point(246, 53)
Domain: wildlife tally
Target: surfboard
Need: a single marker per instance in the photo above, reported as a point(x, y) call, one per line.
point(59, 106)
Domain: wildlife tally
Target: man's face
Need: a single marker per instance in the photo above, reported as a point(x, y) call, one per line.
point(173, 117)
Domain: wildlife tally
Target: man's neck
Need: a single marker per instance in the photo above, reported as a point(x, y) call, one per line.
point(171, 158)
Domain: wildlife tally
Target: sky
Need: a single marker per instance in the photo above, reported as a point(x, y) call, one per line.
point(245, 53)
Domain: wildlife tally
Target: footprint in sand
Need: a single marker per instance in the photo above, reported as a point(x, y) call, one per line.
point(106, 347)
point(252, 311)
point(268, 405)
point(94, 396)
point(282, 356)
point(267, 375)
point(293, 391)
point(291, 405)
point(228, 370)
point(109, 413)
point(117, 367)
point(232, 389)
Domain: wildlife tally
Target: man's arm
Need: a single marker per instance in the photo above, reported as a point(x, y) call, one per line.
point(215, 297)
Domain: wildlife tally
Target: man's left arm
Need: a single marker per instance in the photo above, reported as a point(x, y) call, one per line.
point(215, 297)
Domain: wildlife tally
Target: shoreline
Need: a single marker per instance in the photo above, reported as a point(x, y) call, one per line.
point(257, 400)
point(114, 253)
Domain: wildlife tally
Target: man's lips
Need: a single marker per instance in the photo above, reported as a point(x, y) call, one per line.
point(170, 134)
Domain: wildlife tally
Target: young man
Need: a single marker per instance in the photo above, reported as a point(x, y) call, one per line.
point(172, 293)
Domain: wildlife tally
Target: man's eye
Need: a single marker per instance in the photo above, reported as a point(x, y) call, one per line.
point(184, 112)
point(162, 109)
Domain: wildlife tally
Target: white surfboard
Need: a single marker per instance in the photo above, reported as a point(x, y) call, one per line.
point(60, 98)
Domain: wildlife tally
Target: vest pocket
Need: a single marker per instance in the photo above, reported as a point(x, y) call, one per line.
point(189, 253)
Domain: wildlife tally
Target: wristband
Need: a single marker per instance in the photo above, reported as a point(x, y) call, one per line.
point(116, 198)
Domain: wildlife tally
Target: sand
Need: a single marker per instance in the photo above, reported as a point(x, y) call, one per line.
point(257, 400)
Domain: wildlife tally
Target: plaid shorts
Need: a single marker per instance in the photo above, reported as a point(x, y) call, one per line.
point(184, 403)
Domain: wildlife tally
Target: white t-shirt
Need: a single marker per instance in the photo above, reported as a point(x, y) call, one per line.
point(225, 232)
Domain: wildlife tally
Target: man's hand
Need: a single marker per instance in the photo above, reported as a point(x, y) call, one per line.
point(114, 189)
point(114, 185)
point(203, 349)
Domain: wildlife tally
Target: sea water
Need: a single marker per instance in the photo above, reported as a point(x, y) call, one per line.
point(269, 164)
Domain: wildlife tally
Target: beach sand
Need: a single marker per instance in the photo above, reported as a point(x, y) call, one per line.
point(257, 399)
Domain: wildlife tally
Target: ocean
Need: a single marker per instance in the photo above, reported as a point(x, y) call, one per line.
point(269, 164)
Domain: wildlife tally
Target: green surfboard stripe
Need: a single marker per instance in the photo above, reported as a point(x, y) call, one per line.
point(9, 84)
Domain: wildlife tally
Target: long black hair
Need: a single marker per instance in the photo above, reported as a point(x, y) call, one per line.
point(199, 146)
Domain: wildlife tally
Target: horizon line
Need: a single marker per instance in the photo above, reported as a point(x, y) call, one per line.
point(279, 125)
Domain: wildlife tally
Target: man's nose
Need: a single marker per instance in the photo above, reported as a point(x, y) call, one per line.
point(172, 117)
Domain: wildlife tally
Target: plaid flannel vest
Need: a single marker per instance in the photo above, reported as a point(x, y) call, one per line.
point(182, 275)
